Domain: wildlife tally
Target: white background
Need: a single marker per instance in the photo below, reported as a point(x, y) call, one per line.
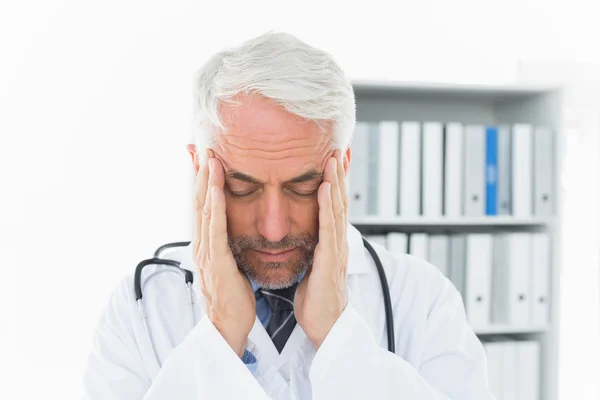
point(95, 102)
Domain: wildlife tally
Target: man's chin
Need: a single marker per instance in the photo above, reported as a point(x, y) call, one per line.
point(273, 265)
point(274, 278)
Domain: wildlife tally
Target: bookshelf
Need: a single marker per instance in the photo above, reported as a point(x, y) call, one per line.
point(511, 330)
point(448, 222)
point(487, 105)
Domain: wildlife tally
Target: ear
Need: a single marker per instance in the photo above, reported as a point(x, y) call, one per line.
point(195, 158)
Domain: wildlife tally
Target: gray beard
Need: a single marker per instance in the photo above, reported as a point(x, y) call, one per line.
point(257, 273)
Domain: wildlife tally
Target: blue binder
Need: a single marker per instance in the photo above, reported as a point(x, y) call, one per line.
point(491, 170)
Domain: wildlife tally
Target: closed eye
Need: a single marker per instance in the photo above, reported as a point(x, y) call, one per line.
point(294, 192)
point(243, 194)
point(304, 193)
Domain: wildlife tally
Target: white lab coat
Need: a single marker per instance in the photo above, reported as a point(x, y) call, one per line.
point(438, 356)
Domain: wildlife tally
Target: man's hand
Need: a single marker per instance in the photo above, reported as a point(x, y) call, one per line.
point(230, 301)
point(323, 294)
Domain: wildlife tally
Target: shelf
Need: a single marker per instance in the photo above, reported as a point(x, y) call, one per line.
point(376, 221)
point(505, 330)
point(449, 90)
point(453, 88)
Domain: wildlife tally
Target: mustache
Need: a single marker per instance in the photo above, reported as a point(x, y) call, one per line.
point(241, 243)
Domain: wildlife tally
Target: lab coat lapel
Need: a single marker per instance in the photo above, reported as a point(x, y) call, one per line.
point(261, 344)
point(264, 349)
point(291, 346)
point(357, 261)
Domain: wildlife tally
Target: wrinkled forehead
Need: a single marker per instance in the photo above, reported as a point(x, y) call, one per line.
point(264, 140)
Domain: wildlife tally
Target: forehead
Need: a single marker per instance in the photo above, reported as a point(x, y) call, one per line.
point(265, 141)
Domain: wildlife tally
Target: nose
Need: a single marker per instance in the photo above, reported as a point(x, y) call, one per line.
point(273, 220)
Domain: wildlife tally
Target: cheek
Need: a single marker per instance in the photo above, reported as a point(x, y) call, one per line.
point(240, 218)
point(305, 216)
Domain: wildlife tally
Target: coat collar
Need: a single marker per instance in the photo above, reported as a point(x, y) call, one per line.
point(357, 262)
point(356, 255)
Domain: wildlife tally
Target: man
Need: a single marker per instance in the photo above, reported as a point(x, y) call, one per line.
point(288, 303)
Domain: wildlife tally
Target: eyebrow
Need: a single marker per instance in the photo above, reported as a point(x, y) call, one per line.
point(308, 176)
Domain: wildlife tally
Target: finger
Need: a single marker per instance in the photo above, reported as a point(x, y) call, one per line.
point(341, 173)
point(200, 197)
point(217, 174)
point(218, 223)
point(327, 241)
point(337, 205)
point(206, 212)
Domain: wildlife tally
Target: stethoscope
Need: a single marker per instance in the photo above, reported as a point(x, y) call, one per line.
point(189, 280)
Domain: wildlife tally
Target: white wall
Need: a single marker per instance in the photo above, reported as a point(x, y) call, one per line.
point(95, 101)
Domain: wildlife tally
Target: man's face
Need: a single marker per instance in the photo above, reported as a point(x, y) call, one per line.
point(273, 164)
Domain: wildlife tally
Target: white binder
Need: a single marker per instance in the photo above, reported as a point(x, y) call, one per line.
point(388, 168)
point(511, 278)
point(458, 253)
point(397, 242)
point(510, 390)
point(418, 244)
point(527, 371)
point(504, 172)
point(540, 279)
point(543, 172)
point(438, 252)
point(373, 170)
point(478, 284)
point(433, 156)
point(453, 170)
point(359, 171)
point(474, 186)
point(522, 193)
point(495, 367)
point(410, 169)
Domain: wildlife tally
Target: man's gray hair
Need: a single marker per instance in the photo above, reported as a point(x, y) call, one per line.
point(305, 81)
